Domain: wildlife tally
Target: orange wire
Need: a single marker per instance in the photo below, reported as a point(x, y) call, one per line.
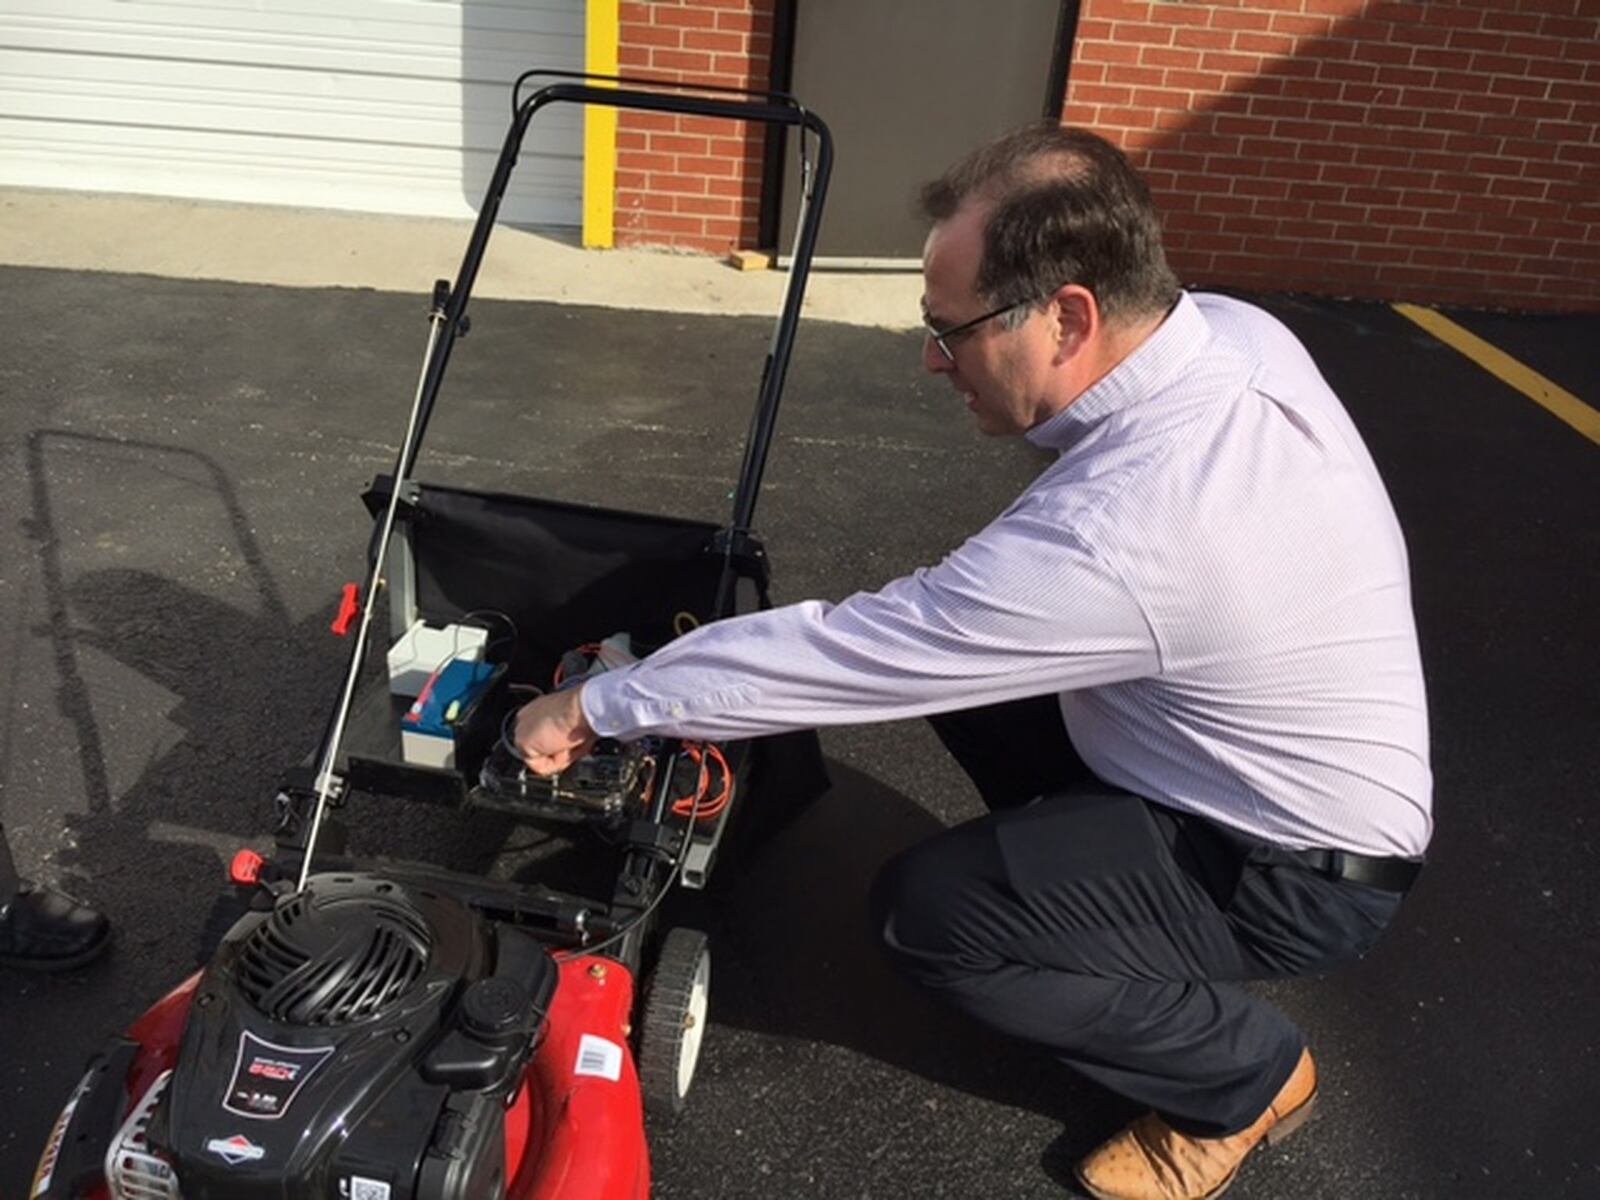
point(586, 648)
point(697, 804)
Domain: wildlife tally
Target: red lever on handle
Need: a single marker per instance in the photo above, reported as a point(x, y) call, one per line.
point(246, 867)
point(349, 606)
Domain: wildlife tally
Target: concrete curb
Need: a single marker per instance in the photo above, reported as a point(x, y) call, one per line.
point(290, 247)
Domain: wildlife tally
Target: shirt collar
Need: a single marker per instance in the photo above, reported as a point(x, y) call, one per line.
point(1154, 362)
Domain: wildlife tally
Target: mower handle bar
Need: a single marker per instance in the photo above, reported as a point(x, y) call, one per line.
point(783, 98)
point(730, 103)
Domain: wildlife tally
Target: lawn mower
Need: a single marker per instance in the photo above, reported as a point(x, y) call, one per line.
point(375, 1029)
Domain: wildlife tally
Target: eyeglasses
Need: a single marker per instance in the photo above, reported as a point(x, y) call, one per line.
point(943, 337)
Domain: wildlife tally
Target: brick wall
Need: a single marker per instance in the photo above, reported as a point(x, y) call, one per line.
point(691, 183)
point(1445, 152)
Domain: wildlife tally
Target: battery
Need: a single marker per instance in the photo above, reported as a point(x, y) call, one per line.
point(445, 704)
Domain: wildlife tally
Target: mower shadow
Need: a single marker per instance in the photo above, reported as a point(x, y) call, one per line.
point(797, 958)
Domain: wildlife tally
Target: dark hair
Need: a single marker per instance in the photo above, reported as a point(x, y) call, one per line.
point(1067, 208)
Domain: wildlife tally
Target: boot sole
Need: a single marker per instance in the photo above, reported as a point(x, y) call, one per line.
point(1286, 1124)
point(1289, 1123)
point(49, 965)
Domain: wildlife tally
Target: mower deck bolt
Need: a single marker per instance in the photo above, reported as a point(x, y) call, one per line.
point(597, 971)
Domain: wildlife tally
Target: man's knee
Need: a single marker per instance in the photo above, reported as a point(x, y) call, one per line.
point(927, 904)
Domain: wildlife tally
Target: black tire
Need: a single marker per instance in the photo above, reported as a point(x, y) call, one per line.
point(672, 1021)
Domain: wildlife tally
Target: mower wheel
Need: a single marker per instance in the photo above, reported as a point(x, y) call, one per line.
point(673, 1020)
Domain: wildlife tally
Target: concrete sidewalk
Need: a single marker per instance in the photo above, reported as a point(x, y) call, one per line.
point(293, 247)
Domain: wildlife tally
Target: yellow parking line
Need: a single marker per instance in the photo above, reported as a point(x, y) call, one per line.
point(1498, 363)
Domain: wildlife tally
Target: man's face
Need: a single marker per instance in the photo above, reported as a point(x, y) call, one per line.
point(1003, 374)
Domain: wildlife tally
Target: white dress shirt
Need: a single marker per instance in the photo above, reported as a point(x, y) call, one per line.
point(1210, 575)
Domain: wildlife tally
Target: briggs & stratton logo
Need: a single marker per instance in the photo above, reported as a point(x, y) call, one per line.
point(236, 1149)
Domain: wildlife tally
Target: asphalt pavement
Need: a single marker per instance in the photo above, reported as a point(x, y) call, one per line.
point(180, 463)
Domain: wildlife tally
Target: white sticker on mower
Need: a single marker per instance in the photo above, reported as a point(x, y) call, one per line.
point(52, 1150)
point(358, 1187)
point(599, 1057)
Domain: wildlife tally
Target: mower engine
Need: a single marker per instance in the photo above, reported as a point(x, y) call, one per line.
point(361, 1040)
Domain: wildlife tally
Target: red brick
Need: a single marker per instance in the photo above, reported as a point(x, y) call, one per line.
point(1511, 22)
point(1382, 53)
point(1579, 29)
point(1499, 64)
point(1266, 189)
point(1102, 94)
point(1313, 89)
point(1271, 106)
point(1447, 60)
point(650, 35)
point(1128, 118)
point(706, 206)
point(1516, 85)
point(1203, 39)
point(1222, 18)
point(1307, 26)
point(1534, 47)
point(1454, 123)
point(651, 162)
point(738, 22)
point(1157, 98)
point(1405, 77)
point(665, 182)
point(1108, 52)
point(1200, 142)
point(1519, 127)
point(1492, 43)
point(1145, 35)
point(1138, 76)
point(1243, 126)
point(1305, 132)
point(1217, 61)
point(1565, 131)
point(1199, 81)
point(681, 60)
point(715, 40)
point(1349, 72)
point(684, 16)
point(1264, 43)
point(1488, 105)
point(677, 143)
point(1234, 168)
point(1168, 56)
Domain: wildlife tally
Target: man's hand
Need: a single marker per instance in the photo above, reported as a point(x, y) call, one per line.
point(552, 733)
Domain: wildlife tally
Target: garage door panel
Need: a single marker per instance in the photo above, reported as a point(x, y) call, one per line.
point(380, 105)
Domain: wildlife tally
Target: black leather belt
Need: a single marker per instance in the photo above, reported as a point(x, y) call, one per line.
point(1389, 874)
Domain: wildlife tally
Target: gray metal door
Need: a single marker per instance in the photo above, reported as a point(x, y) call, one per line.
point(908, 86)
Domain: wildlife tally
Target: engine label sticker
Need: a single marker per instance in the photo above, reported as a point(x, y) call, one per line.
point(267, 1077)
point(52, 1150)
point(236, 1149)
point(599, 1057)
point(359, 1187)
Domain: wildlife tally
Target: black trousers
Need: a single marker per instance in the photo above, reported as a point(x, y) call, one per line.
point(1113, 931)
point(9, 883)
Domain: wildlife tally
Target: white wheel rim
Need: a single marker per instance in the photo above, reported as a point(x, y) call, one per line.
point(694, 1022)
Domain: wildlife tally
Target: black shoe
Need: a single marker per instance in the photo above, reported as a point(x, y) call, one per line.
point(42, 929)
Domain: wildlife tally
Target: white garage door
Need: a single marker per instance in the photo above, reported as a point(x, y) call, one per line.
point(395, 106)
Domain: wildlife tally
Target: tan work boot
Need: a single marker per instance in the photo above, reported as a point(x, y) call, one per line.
point(1150, 1160)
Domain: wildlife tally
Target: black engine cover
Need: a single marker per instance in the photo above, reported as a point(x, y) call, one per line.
point(359, 1041)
